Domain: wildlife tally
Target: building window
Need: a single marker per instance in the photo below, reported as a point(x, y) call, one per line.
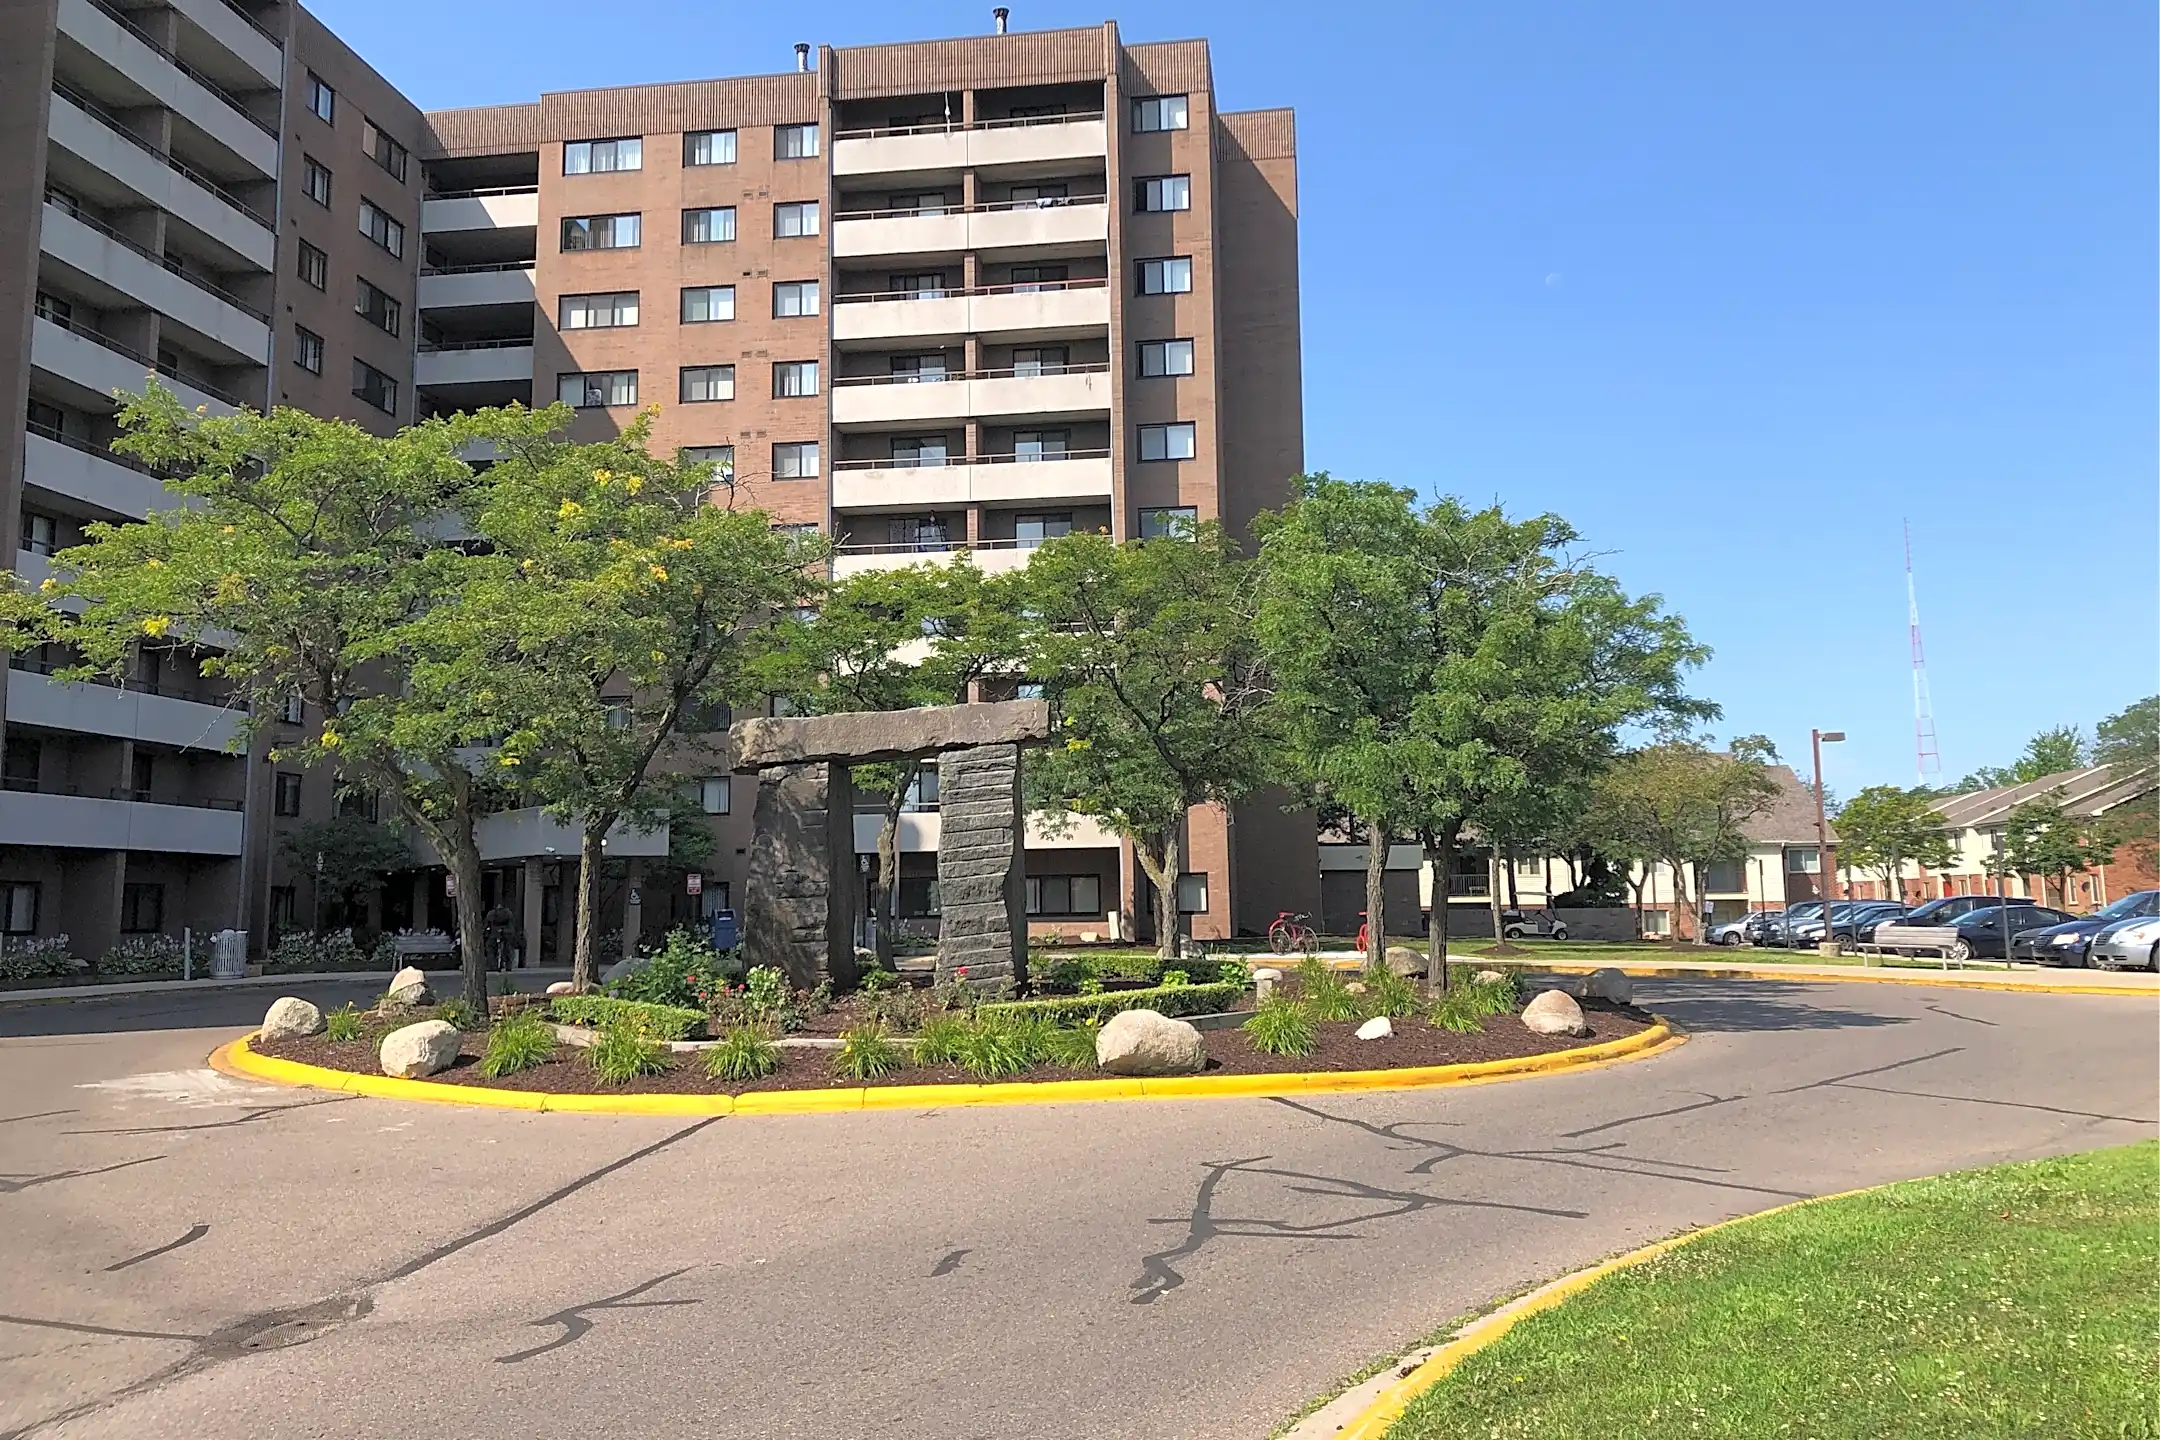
point(597, 389)
point(1159, 112)
point(315, 179)
point(1172, 276)
point(66, 200)
point(795, 142)
point(1035, 279)
point(915, 452)
point(307, 350)
point(796, 531)
point(1163, 192)
point(917, 369)
point(1030, 531)
point(1033, 445)
point(1803, 860)
point(314, 266)
point(142, 909)
point(598, 312)
point(284, 908)
point(380, 228)
point(594, 157)
point(21, 763)
point(720, 457)
point(1167, 442)
point(1166, 357)
point(321, 99)
point(383, 150)
point(1724, 877)
point(288, 794)
point(18, 907)
point(710, 226)
point(378, 308)
point(792, 379)
point(797, 218)
point(51, 307)
point(927, 286)
point(1041, 360)
point(1192, 893)
point(1168, 522)
point(600, 232)
point(293, 710)
point(709, 147)
point(795, 297)
point(707, 382)
point(40, 533)
point(1064, 894)
point(795, 460)
point(702, 304)
point(715, 792)
point(918, 897)
point(371, 385)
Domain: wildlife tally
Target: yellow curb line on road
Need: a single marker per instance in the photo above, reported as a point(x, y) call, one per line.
point(1377, 1418)
point(1927, 977)
point(238, 1058)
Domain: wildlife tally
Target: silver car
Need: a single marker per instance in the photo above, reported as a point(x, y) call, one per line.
point(2127, 945)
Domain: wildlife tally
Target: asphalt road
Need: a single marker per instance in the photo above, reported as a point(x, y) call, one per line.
point(182, 1254)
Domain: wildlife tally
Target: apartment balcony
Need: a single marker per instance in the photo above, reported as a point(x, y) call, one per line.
point(104, 52)
point(102, 146)
point(944, 149)
point(920, 829)
point(114, 272)
point(533, 834)
point(120, 822)
point(504, 285)
point(1049, 227)
point(83, 471)
point(157, 717)
point(1061, 309)
point(1064, 393)
point(992, 557)
point(474, 362)
point(512, 208)
point(227, 46)
point(96, 366)
point(988, 479)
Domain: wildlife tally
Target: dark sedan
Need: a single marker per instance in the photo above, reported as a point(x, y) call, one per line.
point(1946, 911)
point(2066, 944)
point(1985, 934)
point(1847, 919)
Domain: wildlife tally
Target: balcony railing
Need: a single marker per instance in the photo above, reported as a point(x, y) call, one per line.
point(196, 280)
point(1469, 885)
point(440, 347)
point(481, 194)
point(1035, 287)
point(237, 104)
point(87, 447)
point(951, 461)
point(99, 337)
point(954, 127)
point(497, 267)
point(257, 25)
point(105, 117)
point(940, 377)
point(31, 785)
point(1050, 202)
point(937, 547)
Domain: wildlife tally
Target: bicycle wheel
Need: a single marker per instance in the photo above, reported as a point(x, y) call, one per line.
point(1280, 938)
point(1308, 940)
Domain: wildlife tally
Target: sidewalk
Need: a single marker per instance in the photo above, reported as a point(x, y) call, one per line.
point(171, 987)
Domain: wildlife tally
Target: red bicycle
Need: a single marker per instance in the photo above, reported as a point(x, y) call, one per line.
point(1290, 932)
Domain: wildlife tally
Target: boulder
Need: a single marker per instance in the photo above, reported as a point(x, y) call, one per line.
point(1376, 1028)
point(562, 987)
point(409, 987)
point(1145, 1042)
point(1610, 985)
point(1355, 987)
point(415, 1051)
point(1405, 961)
point(1488, 977)
point(628, 965)
point(1554, 1013)
point(290, 1018)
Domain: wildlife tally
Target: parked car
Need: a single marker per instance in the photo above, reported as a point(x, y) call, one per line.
point(1846, 918)
point(1778, 931)
point(2066, 944)
point(1986, 933)
point(2132, 944)
point(1749, 929)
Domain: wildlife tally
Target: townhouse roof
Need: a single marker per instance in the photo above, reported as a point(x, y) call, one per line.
point(1789, 819)
point(2094, 790)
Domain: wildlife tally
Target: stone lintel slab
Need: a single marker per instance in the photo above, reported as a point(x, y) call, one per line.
point(865, 737)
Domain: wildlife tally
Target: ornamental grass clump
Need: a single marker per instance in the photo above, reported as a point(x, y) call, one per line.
point(344, 1023)
point(518, 1041)
point(1326, 992)
point(992, 1049)
point(623, 1054)
point(745, 1053)
point(865, 1054)
point(938, 1042)
point(1072, 1046)
point(1462, 1010)
point(1281, 1025)
point(1389, 994)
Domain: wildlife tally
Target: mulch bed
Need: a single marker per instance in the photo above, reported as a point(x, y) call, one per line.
point(1414, 1043)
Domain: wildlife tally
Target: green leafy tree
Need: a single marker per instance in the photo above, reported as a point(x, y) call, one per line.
point(2130, 738)
point(2041, 837)
point(2048, 753)
point(347, 855)
point(1682, 803)
point(1884, 828)
point(1157, 686)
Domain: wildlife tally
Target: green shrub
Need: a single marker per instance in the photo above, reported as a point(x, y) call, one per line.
point(344, 1023)
point(1176, 977)
point(1089, 986)
point(1496, 996)
point(622, 1054)
point(1072, 1046)
point(1462, 1010)
point(1389, 994)
point(141, 955)
point(900, 1009)
point(765, 991)
point(1233, 972)
point(938, 1042)
point(46, 957)
point(1065, 977)
point(1168, 1000)
point(661, 1022)
point(1325, 991)
point(865, 1054)
point(747, 1053)
point(518, 1041)
point(1283, 1026)
point(683, 971)
point(461, 1013)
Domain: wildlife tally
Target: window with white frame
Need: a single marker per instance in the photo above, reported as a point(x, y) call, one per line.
point(1031, 360)
point(797, 217)
point(314, 266)
point(794, 297)
point(1030, 531)
point(321, 99)
point(705, 304)
point(594, 157)
point(1033, 445)
point(709, 147)
point(1151, 113)
point(1166, 357)
point(792, 379)
point(1174, 441)
point(1168, 522)
point(307, 350)
point(910, 452)
point(376, 224)
point(599, 312)
point(795, 142)
point(315, 180)
point(795, 460)
point(40, 533)
point(1158, 193)
point(601, 232)
point(713, 225)
point(703, 383)
point(597, 389)
point(1169, 276)
point(716, 793)
point(1803, 860)
point(18, 907)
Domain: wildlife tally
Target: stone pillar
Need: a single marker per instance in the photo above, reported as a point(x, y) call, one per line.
point(798, 894)
point(981, 870)
point(530, 890)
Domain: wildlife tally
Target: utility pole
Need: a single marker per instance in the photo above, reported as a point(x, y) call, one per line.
point(1825, 857)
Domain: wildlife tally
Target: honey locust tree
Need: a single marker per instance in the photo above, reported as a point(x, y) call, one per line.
point(1884, 827)
point(1682, 802)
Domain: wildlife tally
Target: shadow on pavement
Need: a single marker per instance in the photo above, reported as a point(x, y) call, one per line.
point(1739, 1006)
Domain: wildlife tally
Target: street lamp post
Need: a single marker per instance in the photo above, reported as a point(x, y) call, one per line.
point(1825, 863)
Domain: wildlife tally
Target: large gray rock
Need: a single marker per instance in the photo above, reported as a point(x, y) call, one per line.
point(1145, 1042)
point(982, 896)
point(1488, 977)
point(562, 987)
point(799, 894)
point(409, 987)
point(417, 1051)
point(1405, 961)
point(1610, 985)
point(290, 1018)
point(1377, 1028)
point(867, 736)
point(628, 965)
point(1555, 1013)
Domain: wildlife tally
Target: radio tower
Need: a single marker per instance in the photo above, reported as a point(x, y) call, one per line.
point(1925, 759)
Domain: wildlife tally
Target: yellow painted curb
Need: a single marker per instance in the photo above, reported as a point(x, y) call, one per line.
point(238, 1058)
point(1376, 1419)
point(1862, 974)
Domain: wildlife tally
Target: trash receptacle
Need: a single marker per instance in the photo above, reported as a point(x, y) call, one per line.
point(723, 930)
point(228, 954)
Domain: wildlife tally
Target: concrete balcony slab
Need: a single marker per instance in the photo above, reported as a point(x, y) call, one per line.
point(924, 486)
point(35, 699)
point(1066, 394)
point(228, 334)
point(83, 822)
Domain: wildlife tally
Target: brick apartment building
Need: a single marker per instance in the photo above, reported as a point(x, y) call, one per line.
point(931, 298)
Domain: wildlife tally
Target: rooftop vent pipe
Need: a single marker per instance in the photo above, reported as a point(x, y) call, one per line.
point(998, 17)
point(802, 55)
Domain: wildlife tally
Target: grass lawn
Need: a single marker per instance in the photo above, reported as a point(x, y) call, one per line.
point(2016, 1301)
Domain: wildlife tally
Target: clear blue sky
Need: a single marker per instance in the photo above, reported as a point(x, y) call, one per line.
point(1734, 288)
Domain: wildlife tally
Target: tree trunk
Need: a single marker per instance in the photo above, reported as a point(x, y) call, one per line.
point(1637, 886)
point(882, 904)
point(1679, 902)
point(1162, 873)
point(1440, 849)
point(582, 976)
point(1514, 901)
point(1492, 902)
point(1376, 848)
